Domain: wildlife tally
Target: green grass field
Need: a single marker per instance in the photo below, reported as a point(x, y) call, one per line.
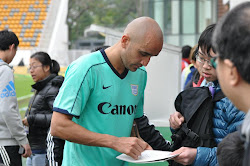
point(23, 85)
point(23, 88)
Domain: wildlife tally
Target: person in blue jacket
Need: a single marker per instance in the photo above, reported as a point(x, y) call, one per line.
point(226, 116)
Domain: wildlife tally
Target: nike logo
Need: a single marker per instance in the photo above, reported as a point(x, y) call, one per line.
point(105, 87)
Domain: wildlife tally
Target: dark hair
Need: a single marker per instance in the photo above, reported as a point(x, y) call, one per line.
point(186, 51)
point(205, 40)
point(8, 38)
point(230, 150)
point(45, 59)
point(232, 38)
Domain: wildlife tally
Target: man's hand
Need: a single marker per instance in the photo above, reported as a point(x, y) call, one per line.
point(131, 146)
point(27, 150)
point(175, 120)
point(187, 155)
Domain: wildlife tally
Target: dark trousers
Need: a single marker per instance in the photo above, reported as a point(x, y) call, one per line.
point(9, 156)
point(54, 151)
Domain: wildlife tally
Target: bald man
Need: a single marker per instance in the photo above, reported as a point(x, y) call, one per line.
point(102, 94)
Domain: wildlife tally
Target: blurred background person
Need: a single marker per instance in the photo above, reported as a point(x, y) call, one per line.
point(188, 71)
point(185, 55)
point(44, 72)
point(194, 78)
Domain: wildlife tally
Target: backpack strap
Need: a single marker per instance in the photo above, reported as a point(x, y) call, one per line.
point(189, 132)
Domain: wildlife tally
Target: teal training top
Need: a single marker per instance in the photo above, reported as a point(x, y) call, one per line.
point(102, 101)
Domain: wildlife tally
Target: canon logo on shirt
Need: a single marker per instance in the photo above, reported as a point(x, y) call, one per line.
point(107, 108)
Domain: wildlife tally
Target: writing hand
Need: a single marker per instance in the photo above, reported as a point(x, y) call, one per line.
point(130, 146)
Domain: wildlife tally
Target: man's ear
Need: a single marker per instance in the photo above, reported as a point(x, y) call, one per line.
point(234, 76)
point(12, 46)
point(125, 40)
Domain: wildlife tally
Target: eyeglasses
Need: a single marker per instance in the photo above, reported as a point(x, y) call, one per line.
point(203, 60)
point(213, 62)
point(34, 67)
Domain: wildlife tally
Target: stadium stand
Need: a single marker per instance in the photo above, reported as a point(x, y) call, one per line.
point(26, 18)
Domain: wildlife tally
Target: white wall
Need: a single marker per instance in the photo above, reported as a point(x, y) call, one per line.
point(163, 85)
point(59, 40)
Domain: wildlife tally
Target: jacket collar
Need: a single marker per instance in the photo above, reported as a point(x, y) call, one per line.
point(41, 84)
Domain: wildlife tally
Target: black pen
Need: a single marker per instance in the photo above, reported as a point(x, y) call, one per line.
point(135, 130)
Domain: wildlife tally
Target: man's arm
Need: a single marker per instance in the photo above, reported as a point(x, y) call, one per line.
point(152, 136)
point(62, 126)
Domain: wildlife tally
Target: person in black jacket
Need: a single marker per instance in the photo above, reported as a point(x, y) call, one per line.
point(44, 72)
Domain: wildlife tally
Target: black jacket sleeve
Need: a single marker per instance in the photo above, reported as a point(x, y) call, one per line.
point(40, 120)
point(150, 135)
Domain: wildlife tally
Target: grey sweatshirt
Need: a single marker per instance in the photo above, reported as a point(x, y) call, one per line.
point(11, 127)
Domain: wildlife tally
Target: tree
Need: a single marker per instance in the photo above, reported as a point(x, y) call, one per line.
point(109, 13)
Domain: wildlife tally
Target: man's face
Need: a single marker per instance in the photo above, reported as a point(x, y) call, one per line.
point(224, 72)
point(138, 54)
point(207, 71)
point(221, 72)
point(12, 53)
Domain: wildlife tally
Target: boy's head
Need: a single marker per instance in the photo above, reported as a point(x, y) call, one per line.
point(231, 150)
point(8, 45)
point(205, 53)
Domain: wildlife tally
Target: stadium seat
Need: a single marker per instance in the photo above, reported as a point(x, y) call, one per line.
point(25, 18)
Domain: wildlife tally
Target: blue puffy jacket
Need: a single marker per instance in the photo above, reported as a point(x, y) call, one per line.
point(226, 118)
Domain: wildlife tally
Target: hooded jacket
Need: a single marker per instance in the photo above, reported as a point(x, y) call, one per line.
point(39, 111)
point(11, 129)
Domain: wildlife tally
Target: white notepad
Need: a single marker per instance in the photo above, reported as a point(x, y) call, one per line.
point(148, 156)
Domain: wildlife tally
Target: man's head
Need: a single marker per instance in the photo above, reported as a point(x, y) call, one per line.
point(232, 43)
point(8, 45)
point(205, 53)
point(141, 40)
